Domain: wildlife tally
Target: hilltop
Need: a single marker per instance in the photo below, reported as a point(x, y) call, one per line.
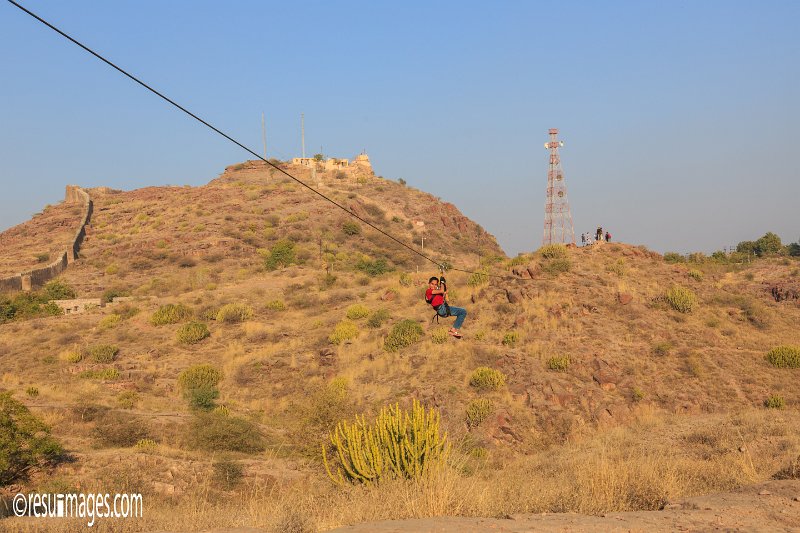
point(627, 381)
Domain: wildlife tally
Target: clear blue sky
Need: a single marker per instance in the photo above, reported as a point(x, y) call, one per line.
point(680, 118)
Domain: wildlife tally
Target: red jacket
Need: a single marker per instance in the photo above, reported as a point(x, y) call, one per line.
point(435, 299)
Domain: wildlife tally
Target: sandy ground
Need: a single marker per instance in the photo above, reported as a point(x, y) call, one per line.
point(771, 506)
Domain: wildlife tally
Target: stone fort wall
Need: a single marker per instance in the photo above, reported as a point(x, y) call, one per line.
point(25, 281)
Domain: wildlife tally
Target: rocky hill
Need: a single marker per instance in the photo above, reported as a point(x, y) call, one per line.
point(623, 381)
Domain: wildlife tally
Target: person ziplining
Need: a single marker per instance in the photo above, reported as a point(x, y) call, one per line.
point(436, 296)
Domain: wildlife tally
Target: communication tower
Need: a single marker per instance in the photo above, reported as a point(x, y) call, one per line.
point(557, 216)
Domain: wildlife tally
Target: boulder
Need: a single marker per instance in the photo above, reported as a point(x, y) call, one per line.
point(327, 357)
point(624, 298)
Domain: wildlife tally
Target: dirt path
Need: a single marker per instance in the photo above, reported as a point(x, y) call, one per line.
point(770, 506)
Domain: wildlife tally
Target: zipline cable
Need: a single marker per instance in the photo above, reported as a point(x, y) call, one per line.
point(243, 147)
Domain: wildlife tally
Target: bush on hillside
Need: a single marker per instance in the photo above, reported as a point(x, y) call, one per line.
point(696, 274)
point(784, 356)
point(680, 298)
point(510, 338)
point(486, 379)
point(192, 333)
point(59, 290)
point(170, 314)
point(404, 333)
point(356, 311)
point(351, 228)
point(377, 318)
point(276, 305)
point(480, 277)
point(103, 353)
point(553, 251)
point(281, 255)
point(213, 432)
point(554, 267)
point(373, 267)
point(559, 363)
point(25, 442)
point(26, 305)
point(234, 313)
point(199, 376)
point(478, 410)
point(344, 331)
point(776, 401)
point(672, 257)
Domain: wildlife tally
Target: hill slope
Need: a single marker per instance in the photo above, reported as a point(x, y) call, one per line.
point(613, 399)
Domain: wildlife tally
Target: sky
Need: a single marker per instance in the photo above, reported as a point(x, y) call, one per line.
point(680, 119)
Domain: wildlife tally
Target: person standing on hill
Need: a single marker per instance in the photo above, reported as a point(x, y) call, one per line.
point(583, 239)
point(608, 237)
point(437, 297)
point(599, 233)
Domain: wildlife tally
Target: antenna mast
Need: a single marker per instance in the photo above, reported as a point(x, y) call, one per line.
point(558, 226)
point(303, 133)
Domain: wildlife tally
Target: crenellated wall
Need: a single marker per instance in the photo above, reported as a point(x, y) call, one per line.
point(37, 277)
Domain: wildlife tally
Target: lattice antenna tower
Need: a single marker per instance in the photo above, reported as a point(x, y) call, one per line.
point(558, 226)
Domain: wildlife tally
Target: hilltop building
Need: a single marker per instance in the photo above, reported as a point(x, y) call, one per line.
point(360, 163)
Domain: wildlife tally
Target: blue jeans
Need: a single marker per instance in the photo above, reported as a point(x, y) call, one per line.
point(459, 312)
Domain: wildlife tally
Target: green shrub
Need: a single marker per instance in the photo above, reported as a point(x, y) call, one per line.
point(350, 227)
point(480, 277)
point(480, 335)
point(373, 268)
point(33, 392)
point(170, 314)
point(199, 386)
point(25, 442)
point(354, 312)
point(776, 401)
point(344, 330)
point(127, 399)
point(276, 305)
point(784, 356)
point(405, 279)
point(510, 338)
point(281, 255)
point(105, 374)
point(59, 290)
point(377, 318)
point(397, 444)
point(680, 299)
point(556, 266)
point(235, 312)
point(559, 363)
point(192, 333)
point(110, 294)
point(553, 251)
point(103, 353)
point(404, 333)
point(146, 445)
point(696, 274)
point(487, 379)
point(218, 433)
point(672, 257)
point(637, 394)
point(478, 411)
point(439, 335)
point(109, 321)
point(199, 376)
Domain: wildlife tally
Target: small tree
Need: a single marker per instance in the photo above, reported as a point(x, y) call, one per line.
point(25, 441)
point(281, 254)
point(318, 157)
